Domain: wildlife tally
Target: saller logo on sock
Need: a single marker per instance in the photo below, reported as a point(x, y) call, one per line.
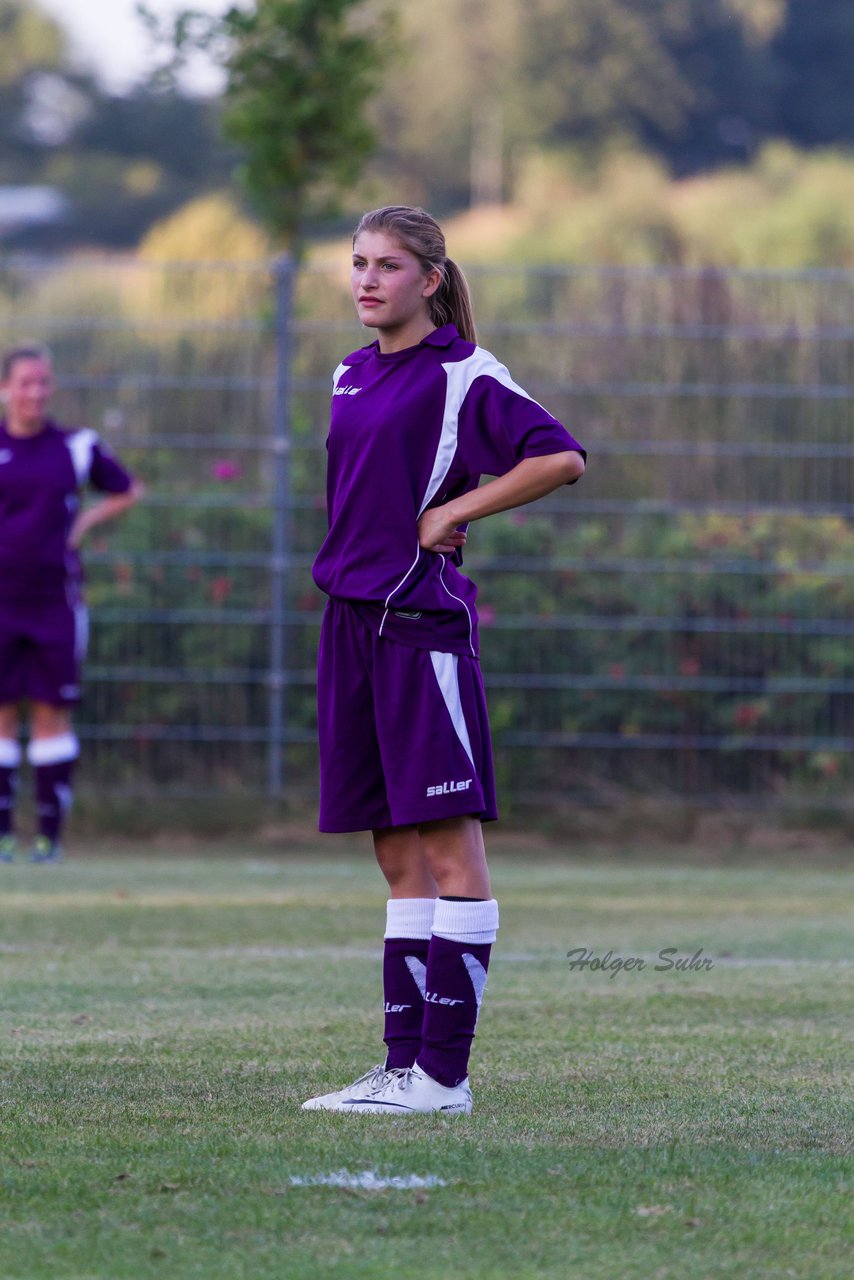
point(444, 788)
point(431, 998)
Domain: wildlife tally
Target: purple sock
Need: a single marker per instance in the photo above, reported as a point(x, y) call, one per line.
point(463, 933)
point(53, 760)
point(407, 938)
point(10, 758)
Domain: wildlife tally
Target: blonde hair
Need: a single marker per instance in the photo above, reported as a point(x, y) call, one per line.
point(421, 234)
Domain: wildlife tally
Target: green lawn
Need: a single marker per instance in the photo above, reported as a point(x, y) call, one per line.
point(162, 1019)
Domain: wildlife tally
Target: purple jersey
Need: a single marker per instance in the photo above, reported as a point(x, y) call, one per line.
point(410, 430)
point(40, 477)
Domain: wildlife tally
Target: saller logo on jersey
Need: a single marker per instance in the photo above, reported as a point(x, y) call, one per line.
point(445, 788)
point(346, 391)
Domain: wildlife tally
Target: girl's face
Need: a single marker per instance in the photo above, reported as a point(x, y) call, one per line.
point(27, 390)
point(390, 286)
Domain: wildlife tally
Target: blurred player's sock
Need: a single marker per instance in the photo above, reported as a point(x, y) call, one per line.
point(457, 961)
point(10, 758)
point(53, 761)
point(409, 922)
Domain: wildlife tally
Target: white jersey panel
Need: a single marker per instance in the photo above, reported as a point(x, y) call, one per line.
point(461, 374)
point(81, 446)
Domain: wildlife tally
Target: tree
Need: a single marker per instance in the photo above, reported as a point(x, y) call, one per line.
point(448, 111)
point(119, 162)
point(299, 76)
point(691, 80)
point(32, 48)
point(815, 52)
point(29, 41)
point(688, 78)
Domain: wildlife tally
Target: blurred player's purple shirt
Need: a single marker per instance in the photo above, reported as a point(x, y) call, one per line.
point(40, 477)
point(411, 430)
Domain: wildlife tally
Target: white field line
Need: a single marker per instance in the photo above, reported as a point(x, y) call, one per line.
point(373, 954)
point(368, 1180)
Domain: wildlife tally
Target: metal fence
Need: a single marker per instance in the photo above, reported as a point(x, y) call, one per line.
point(679, 626)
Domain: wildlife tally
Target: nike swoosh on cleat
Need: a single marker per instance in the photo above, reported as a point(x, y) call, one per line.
point(359, 1102)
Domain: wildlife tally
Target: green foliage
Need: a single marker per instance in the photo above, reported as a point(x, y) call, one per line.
point(299, 77)
point(29, 41)
point(814, 49)
point(210, 228)
point(689, 679)
point(699, 83)
point(122, 161)
point(787, 209)
point(687, 651)
point(355, 102)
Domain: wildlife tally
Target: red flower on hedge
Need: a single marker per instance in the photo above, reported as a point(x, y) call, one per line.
point(746, 715)
point(225, 469)
point(220, 589)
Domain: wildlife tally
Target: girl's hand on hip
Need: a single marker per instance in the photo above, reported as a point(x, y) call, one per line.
point(437, 531)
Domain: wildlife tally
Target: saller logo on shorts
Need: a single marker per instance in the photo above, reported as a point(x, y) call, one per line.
point(444, 788)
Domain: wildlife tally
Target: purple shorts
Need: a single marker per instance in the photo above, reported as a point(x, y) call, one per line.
point(404, 734)
point(42, 646)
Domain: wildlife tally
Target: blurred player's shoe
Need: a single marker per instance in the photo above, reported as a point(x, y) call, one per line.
point(366, 1084)
point(410, 1092)
point(45, 850)
point(8, 848)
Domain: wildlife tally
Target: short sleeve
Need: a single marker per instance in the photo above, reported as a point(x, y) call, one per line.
point(500, 425)
point(106, 473)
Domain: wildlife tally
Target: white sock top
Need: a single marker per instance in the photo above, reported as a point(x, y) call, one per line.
point(409, 917)
point(10, 753)
point(63, 746)
point(473, 922)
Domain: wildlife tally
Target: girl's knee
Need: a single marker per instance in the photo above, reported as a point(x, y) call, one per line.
point(49, 721)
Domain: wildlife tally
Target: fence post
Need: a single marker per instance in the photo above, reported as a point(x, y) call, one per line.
point(283, 286)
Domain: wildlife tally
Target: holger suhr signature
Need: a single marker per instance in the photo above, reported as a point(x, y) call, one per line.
point(668, 960)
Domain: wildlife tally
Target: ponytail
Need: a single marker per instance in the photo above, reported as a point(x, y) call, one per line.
point(421, 234)
point(451, 303)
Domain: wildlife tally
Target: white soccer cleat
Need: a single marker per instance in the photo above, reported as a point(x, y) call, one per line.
point(411, 1092)
point(367, 1083)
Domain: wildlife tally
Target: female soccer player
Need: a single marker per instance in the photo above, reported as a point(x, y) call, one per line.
point(42, 615)
point(417, 417)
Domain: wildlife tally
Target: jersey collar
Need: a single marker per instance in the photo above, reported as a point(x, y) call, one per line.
point(438, 338)
point(441, 337)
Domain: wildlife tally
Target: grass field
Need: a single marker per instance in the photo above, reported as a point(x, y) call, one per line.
point(163, 1017)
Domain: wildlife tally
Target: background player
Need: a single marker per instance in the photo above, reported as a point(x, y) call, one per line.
point(43, 623)
point(417, 418)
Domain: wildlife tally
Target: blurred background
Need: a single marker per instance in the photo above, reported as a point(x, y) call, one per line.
point(653, 201)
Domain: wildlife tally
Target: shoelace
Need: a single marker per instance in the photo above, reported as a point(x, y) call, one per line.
point(393, 1075)
point(375, 1073)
